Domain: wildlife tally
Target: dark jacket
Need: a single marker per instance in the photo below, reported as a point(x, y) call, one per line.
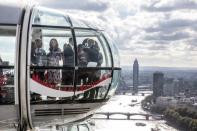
point(68, 55)
point(92, 54)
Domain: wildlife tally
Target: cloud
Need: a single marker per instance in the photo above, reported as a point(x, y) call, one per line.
point(173, 25)
point(170, 5)
point(92, 5)
point(158, 47)
point(168, 37)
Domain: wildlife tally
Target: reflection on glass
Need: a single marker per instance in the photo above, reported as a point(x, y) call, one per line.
point(114, 50)
point(78, 23)
point(115, 82)
point(7, 57)
point(44, 16)
point(7, 86)
point(92, 84)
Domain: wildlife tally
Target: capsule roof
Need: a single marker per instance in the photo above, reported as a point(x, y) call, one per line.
point(11, 12)
point(13, 15)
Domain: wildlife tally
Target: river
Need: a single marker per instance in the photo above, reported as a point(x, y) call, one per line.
point(121, 103)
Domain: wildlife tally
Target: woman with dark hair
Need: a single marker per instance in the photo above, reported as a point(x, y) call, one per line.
point(54, 56)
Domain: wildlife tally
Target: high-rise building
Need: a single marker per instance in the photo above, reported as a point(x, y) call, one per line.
point(158, 81)
point(135, 76)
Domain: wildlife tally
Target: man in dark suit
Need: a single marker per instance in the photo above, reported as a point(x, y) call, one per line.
point(68, 53)
point(68, 61)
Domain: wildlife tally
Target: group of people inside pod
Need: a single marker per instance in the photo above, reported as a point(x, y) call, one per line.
point(88, 55)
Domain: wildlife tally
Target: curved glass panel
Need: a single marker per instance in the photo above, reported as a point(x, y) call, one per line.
point(114, 49)
point(82, 23)
point(116, 72)
point(45, 16)
point(51, 65)
point(93, 79)
point(92, 83)
point(78, 23)
point(107, 50)
point(92, 51)
point(115, 82)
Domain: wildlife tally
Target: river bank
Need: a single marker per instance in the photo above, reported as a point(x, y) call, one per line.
point(122, 103)
point(180, 117)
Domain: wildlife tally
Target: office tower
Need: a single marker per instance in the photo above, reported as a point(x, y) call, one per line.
point(135, 76)
point(158, 81)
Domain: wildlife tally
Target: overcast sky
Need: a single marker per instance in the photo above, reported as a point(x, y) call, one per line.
point(157, 32)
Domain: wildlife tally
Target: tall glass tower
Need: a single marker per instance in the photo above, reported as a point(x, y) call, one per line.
point(135, 76)
point(158, 81)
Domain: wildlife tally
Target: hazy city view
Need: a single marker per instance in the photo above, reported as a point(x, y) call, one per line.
point(176, 80)
point(172, 91)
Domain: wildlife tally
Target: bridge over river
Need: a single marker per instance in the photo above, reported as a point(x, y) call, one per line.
point(127, 114)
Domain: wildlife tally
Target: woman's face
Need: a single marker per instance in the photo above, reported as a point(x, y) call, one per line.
point(53, 43)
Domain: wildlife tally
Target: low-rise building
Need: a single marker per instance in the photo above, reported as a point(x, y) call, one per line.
point(166, 101)
point(186, 101)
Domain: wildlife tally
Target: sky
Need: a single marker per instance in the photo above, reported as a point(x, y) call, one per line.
point(156, 32)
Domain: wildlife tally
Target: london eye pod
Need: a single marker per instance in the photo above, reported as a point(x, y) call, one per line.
point(53, 69)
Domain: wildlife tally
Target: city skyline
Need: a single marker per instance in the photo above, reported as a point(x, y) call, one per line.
point(144, 66)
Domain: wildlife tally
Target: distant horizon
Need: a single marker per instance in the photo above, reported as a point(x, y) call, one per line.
point(147, 66)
